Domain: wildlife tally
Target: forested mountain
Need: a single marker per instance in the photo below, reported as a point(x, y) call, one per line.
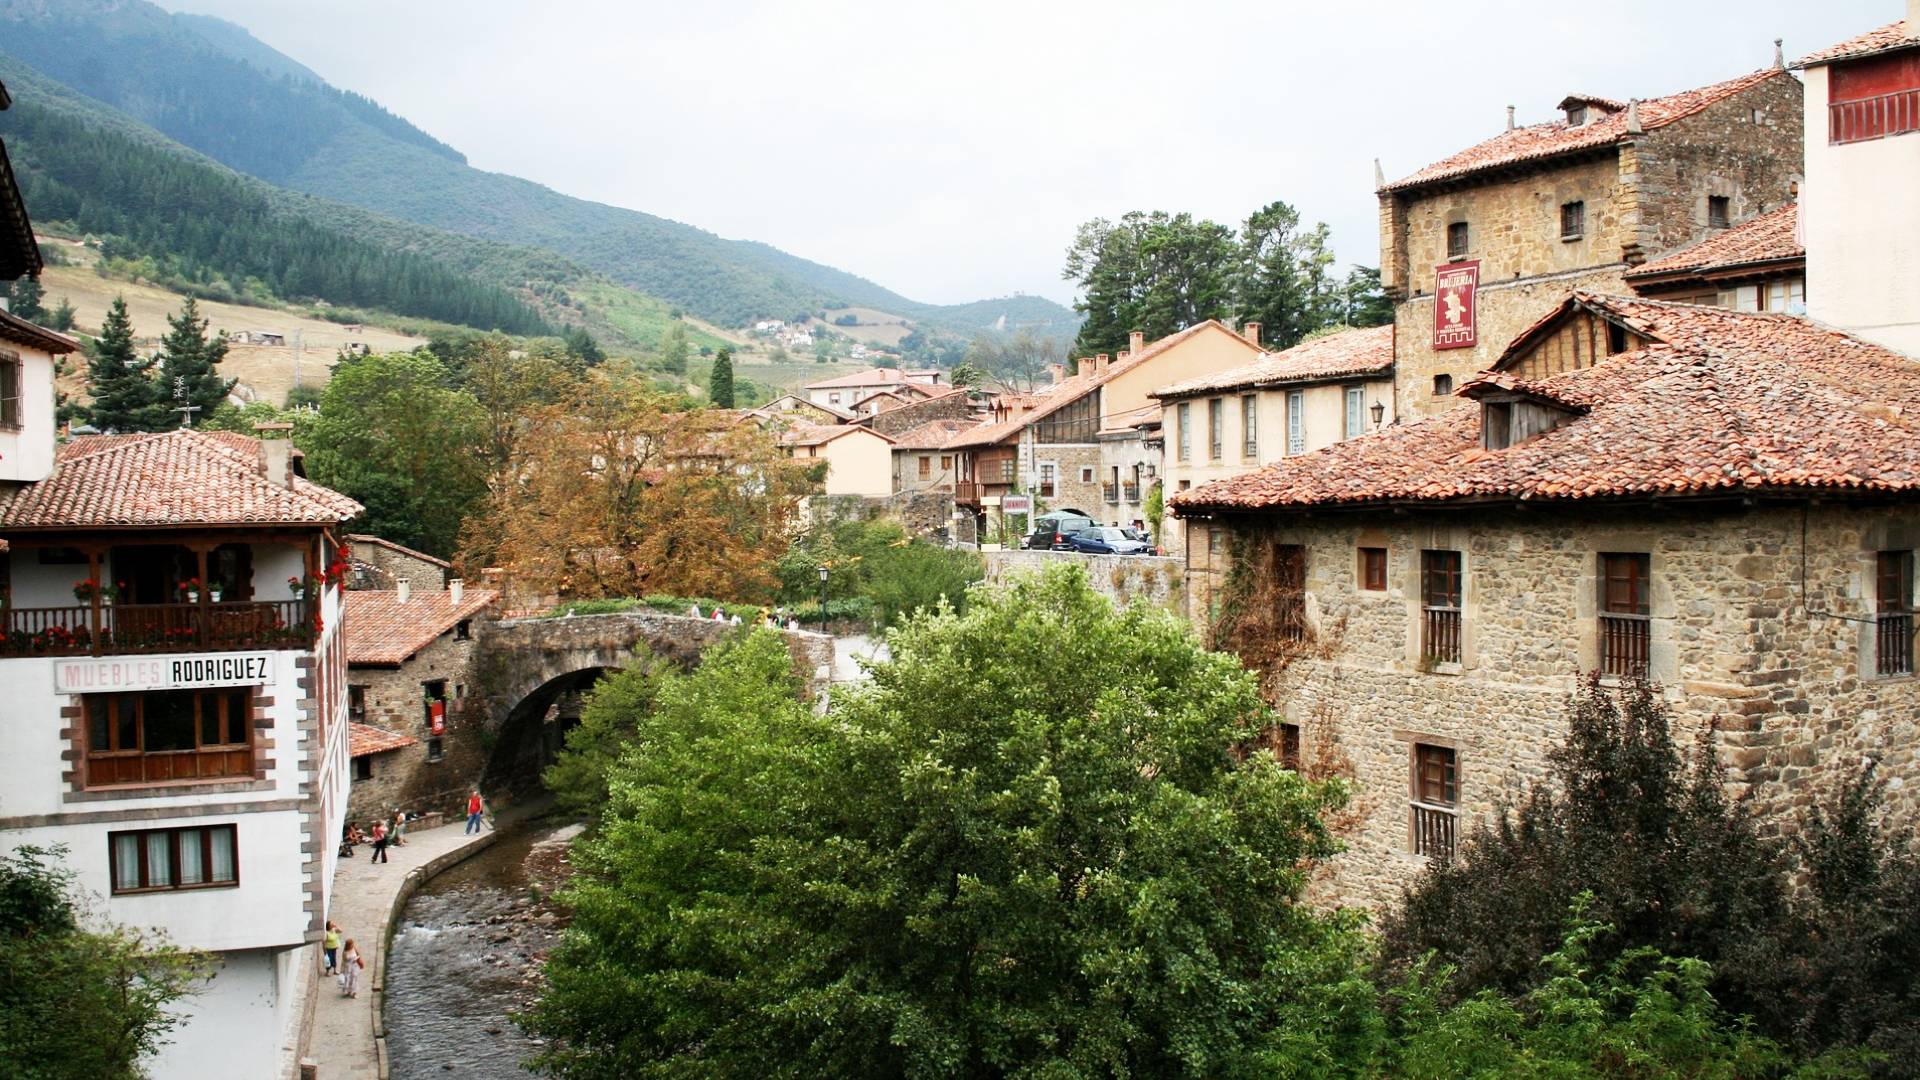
point(216, 89)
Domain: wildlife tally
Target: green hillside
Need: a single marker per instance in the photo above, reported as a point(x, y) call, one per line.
point(219, 91)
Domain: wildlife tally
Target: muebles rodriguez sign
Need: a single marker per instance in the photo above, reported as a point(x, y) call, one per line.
point(111, 674)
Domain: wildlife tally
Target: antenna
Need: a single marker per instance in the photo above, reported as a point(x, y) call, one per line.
point(298, 348)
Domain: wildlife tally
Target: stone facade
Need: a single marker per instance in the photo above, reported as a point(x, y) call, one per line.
point(907, 417)
point(1785, 673)
point(1641, 198)
point(394, 698)
point(1124, 579)
point(380, 564)
point(1076, 475)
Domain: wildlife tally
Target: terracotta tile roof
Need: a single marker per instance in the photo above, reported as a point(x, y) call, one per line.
point(1766, 238)
point(1050, 399)
point(381, 541)
point(380, 630)
point(1740, 402)
point(1889, 37)
point(1367, 351)
point(364, 739)
point(880, 376)
point(818, 434)
point(933, 435)
point(1540, 141)
point(167, 478)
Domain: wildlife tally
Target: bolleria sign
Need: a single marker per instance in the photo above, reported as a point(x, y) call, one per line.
point(109, 674)
point(1454, 286)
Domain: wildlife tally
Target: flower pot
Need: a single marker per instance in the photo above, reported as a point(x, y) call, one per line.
point(214, 595)
point(193, 596)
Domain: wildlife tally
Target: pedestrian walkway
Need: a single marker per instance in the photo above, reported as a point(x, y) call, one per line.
point(363, 893)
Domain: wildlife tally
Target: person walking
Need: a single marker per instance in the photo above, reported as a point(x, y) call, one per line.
point(474, 809)
point(379, 842)
point(350, 965)
point(399, 831)
point(330, 946)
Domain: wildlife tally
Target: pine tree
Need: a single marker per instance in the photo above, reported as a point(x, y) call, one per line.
point(720, 382)
point(188, 357)
point(125, 396)
point(24, 300)
point(62, 316)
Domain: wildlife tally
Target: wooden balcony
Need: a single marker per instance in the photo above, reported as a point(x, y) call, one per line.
point(966, 492)
point(1893, 643)
point(1625, 645)
point(1875, 117)
point(1440, 635)
point(111, 629)
point(1433, 829)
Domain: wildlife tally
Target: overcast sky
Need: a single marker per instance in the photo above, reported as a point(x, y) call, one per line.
point(948, 150)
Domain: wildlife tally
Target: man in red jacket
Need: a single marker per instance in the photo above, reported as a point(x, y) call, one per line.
point(474, 809)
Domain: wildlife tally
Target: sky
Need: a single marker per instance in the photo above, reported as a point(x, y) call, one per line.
point(950, 150)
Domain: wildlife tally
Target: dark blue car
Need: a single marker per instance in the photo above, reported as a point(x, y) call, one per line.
point(1106, 540)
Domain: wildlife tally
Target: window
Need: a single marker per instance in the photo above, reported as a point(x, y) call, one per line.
point(946, 463)
point(363, 767)
point(1216, 419)
point(1440, 604)
point(153, 860)
point(1373, 569)
point(1250, 426)
point(463, 630)
point(1046, 479)
point(833, 398)
point(1436, 799)
point(1184, 417)
point(9, 389)
point(1573, 220)
point(1290, 590)
point(1576, 115)
point(1086, 474)
point(1718, 207)
point(169, 735)
point(1442, 385)
point(1624, 609)
point(1287, 746)
point(357, 704)
point(1457, 240)
point(434, 750)
point(1296, 422)
point(1893, 593)
point(1496, 424)
point(1356, 411)
point(926, 466)
point(1616, 339)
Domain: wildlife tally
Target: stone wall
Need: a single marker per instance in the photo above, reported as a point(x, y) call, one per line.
point(1747, 148)
point(1125, 579)
point(921, 513)
point(1069, 490)
point(1788, 683)
point(377, 566)
point(395, 700)
point(907, 417)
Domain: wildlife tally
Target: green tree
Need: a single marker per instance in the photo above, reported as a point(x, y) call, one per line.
point(395, 434)
point(822, 351)
point(1155, 509)
point(673, 350)
point(79, 1002)
point(1364, 299)
point(582, 347)
point(720, 380)
point(189, 358)
point(1282, 279)
point(24, 299)
point(965, 374)
point(610, 721)
point(1157, 273)
point(1068, 870)
point(62, 316)
point(125, 396)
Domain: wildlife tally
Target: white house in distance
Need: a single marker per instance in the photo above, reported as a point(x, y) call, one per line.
point(849, 390)
point(1860, 208)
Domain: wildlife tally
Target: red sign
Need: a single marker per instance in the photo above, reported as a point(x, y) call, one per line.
point(1453, 320)
point(437, 716)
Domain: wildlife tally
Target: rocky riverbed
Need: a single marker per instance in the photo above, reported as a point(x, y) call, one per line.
point(466, 957)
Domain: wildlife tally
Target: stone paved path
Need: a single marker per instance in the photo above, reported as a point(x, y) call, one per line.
point(363, 893)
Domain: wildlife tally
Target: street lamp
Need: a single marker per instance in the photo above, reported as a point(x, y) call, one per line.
point(822, 571)
point(1379, 413)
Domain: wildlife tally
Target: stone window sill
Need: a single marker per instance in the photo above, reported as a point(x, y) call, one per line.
point(1448, 668)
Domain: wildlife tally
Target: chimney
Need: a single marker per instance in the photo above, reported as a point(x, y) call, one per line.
point(1058, 371)
point(1780, 58)
point(404, 588)
point(276, 445)
point(457, 592)
point(1136, 341)
point(1633, 117)
point(1251, 331)
point(1086, 365)
point(1379, 178)
point(1100, 363)
point(1509, 118)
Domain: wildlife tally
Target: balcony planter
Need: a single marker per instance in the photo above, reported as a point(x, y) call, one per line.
point(213, 595)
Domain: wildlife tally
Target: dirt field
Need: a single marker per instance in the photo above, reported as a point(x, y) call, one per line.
point(875, 328)
point(265, 371)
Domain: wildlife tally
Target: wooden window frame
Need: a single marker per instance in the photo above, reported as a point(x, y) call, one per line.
point(1573, 220)
point(12, 372)
point(1183, 418)
point(1286, 745)
point(1459, 240)
point(110, 758)
point(1893, 613)
point(1724, 218)
point(1625, 602)
point(1443, 385)
point(363, 768)
point(1249, 426)
point(1434, 800)
point(173, 849)
point(1216, 421)
point(1371, 569)
point(1442, 601)
point(1296, 422)
point(926, 467)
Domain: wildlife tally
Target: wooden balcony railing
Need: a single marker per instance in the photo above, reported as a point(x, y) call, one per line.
point(1874, 117)
point(1893, 643)
point(1625, 645)
point(152, 628)
point(966, 492)
point(159, 767)
point(1440, 635)
point(1433, 828)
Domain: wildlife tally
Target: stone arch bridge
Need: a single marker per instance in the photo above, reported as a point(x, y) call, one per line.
point(521, 668)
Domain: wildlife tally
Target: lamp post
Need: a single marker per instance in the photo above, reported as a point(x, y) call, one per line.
point(822, 570)
point(1379, 413)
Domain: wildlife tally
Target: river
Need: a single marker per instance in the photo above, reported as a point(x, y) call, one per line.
point(466, 955)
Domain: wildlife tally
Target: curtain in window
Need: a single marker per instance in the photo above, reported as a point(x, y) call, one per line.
point(223, 860)
point(126, 861)
point(192, 857)
point(159, 860)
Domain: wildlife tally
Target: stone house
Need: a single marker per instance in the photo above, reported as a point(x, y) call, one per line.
point(788, 407)
point(1727, 504)
point(1758, 265)
point(407, 658)
point(1047, 444)
point(1493, 237)
point(379, 563)
point(923, 457)
point(1321, 391)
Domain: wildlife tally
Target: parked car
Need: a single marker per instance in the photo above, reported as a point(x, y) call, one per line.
point(1051, 530)
point(1106, 540)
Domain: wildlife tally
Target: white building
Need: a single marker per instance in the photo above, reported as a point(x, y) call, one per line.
point(1860, 209)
